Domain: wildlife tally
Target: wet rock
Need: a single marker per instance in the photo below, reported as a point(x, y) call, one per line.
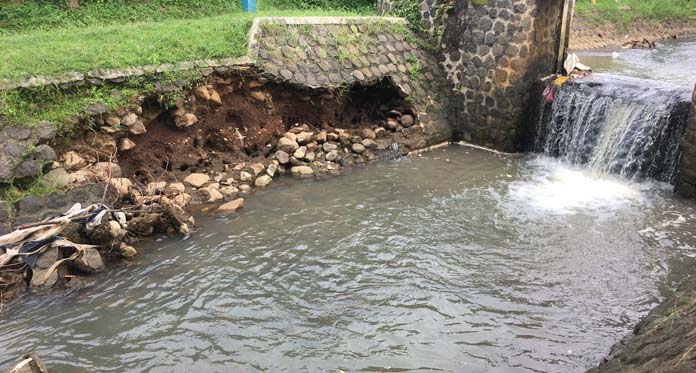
point(29, 363)
point(287, 145)
point(367, 133)
point(48, 257)
point(42, 278)
point(392, 124)
point(302, 171)
point(126, 144)
point(332, 137)
point(127, 252)
point(231, 206)
point(271, 170)
point(90, 261)
point(369, 143)
point(229, 191)
point(407, 120)
point(332, 155)
point(300, 152)
point(182, 200)
point(321, 137)
point(257, 168)
point(73, 161)
point(328, 147)
point(174, 189)
point(263, 180)
point(245, 176)
point(358, 148)
point(143, 224)
point(305, 138)
point(282, 157)
point(380, 132)
point(244, 188)
point(197, 180)
point(291, 135)
point(213, 195)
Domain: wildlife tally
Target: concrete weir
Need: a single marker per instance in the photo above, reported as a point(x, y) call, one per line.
point(491, 55)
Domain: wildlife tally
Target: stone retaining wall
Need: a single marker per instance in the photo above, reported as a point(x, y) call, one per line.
point(686, 182)
point(491, 54)
point(337, 53)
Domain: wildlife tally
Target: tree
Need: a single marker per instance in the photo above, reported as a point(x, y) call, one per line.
point(72, 4)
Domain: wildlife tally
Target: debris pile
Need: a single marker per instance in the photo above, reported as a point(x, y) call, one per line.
point(51, 253)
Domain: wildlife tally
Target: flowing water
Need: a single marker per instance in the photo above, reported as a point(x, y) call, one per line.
point(670, 62)
point(458, 260)
point(617, 125)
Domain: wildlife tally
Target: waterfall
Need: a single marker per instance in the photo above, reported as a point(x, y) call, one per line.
point(616, 125)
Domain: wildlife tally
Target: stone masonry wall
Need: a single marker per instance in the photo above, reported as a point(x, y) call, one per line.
point(491, 54)
point(686, 182)
point(337, 53)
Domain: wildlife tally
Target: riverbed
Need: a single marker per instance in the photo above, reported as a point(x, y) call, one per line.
point(456, 260)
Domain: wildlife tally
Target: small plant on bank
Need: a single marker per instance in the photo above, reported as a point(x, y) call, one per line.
point(414, 70)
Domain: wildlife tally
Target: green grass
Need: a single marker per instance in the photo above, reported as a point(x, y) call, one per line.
point(93, 47)
point(624, 12)
point(31, 15)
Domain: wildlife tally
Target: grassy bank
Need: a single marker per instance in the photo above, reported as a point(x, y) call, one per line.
point(92, 47)
point(624, 12)
point(47, 38)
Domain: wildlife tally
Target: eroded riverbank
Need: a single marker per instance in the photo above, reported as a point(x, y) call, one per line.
point(447, 261)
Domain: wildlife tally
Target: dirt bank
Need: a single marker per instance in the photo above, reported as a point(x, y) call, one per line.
point(202, 147)
point(586, 35)
point(664, 341)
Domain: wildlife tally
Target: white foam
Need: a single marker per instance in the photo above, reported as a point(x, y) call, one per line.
point(558, 188)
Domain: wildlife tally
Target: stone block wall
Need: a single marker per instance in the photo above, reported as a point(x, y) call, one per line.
point(686, 181)
point(491, 55)
point(339, 52)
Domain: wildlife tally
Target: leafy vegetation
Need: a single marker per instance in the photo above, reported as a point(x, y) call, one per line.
point(623, 12)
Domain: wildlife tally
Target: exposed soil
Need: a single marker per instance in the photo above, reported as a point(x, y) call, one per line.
point(247, 127)
point(586, 36)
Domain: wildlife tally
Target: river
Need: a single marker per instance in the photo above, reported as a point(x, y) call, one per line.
point(456, 260)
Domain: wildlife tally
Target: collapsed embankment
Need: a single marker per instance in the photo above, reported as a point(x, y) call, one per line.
point(207, 143)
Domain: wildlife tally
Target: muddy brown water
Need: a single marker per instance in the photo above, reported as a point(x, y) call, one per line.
point(457, 260)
